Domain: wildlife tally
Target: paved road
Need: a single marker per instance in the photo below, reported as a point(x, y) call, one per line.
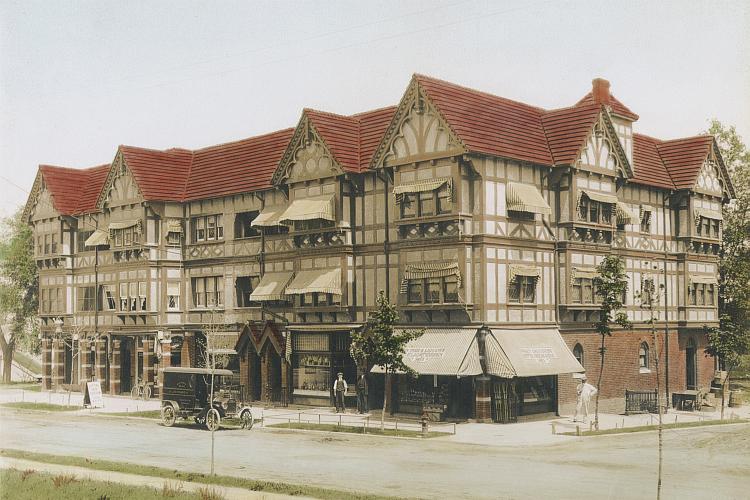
point(709, 463)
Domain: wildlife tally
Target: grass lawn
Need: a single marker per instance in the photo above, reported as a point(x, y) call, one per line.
point(26, 386)
point(354, 430)
point(642, 428)
point(40, 406)
point(142, 414)
point(175, 475)
point(33, 485)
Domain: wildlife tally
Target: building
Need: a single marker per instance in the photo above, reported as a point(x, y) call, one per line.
point(483, 218)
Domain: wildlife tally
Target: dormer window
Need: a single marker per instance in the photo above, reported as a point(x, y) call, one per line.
point(425, 198)
point(596, 208)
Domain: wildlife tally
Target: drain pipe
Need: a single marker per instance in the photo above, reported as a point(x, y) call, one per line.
point(666, 295)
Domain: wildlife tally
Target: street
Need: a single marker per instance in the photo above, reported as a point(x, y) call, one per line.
point(710, 462)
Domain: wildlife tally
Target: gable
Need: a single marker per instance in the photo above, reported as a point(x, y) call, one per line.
point(42, 205)
point(603, 150)
point(709, 178)
point(307, 157)
point(120, 187)
point(417, 132)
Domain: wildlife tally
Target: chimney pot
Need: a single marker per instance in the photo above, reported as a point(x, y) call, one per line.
point(600, 90)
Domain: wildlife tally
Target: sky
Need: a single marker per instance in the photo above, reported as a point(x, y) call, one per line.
point(79, 78)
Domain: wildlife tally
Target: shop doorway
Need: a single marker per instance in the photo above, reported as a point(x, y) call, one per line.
point(525, 397)
point(126, 365)
point(691, 365)
point(68, 362)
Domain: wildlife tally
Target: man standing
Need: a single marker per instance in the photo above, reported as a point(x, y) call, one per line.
point(339, 389)
point(362, 394)
point(585, 392)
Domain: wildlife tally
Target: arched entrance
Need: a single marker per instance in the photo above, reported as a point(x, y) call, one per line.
point(691, 365)
point(260, 350)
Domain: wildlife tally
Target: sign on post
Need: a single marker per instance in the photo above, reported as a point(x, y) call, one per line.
point(92, 398)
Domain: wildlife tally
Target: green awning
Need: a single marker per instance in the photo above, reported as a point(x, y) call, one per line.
point(316, 281)
point(525, 198)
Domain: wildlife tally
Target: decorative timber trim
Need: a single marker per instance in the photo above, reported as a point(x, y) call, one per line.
point(36, 191)
point(728, 186)
point(118, 167)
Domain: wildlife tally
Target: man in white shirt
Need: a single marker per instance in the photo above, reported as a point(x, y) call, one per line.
point(585, 392)
point(339, 390)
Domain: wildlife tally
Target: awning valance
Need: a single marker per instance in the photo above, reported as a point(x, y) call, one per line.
point(528, 353)
point(443, 351)
point(519, 270)
point(98, 237)
point(269, 217)
point(600, 197)
point(422, 186)
point(626, 215)
point(526, 198)
point(318, 207)
point(125, 224)
point(429, 270)
point(316, 281)
point(271, 286)
point(708, 279)
point(584, 272)
point(707, 213)
point(174, 226)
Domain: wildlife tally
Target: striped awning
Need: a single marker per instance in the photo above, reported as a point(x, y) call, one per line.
point(271, 286)
point(174, 226)
point(422, 186)
point(708, 279)
point(584, 272)
point(519, 270)
point(316, 281)
point(626, 215)
point(269, 217)
point(125, 224)
point(600, 197)
point(99, 237)
point(318, 207)
point(429, 270)
point(707, 213)
point(528, 353)
point(526, 198)
point(442, 351)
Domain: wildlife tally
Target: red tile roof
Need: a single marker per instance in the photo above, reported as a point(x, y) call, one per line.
point(568, 129)
point(372, 127)
point(160, 175)
point(72, 189)
point(236, 167)
point(618, 108)
point(684, 158)
point(648, 167)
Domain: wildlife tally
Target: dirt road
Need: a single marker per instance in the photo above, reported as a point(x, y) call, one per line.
point(699, 463)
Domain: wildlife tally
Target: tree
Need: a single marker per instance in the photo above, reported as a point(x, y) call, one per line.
point(729, 342)
point(379, 344)
point(19, 288)
point(611, 285)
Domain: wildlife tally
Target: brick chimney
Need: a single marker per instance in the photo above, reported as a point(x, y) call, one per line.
point(600, 90)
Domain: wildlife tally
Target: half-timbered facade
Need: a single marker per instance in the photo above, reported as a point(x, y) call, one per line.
point(482, 218)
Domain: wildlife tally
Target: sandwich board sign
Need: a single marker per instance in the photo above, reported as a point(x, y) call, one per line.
point(92, 398)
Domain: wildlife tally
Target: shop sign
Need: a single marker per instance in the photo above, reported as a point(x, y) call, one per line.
point(93, 396)
point(423, 354)
point(540, 355)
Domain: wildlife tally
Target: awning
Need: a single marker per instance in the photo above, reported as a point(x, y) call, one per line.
point(708, 279)
point(99, 237)
point(625, 215)
point(442, 351)
point(584, 272)
point(318, 207)
point(429, 270)
point(422, 186)
point(528, 353)
point(269, 217)
point(525, 198)
point(518, 270)
point(600, 197)
point(124, 224)
point(174, 226)
point(316, 281)
point(271, 287)
point(707, 213)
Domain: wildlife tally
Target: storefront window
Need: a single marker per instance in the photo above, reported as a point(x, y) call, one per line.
point(312, 372)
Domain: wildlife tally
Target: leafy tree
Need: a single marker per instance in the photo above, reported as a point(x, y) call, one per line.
point(379, 344)
point(19, 287)
point(611, 285)
point(729, 342)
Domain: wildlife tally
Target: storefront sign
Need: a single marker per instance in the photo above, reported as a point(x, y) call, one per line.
point(93, 396)
point(541, 355)
point(423, 354)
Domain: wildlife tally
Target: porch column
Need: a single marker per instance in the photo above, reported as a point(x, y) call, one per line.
point(46, 364)
point(85, 355)
point(101, 362)
point(148, 361)
point(58, 363)
point(285, 367)
point(114, 367)
point(483, 400)
point(166, 360)
point(264, 376)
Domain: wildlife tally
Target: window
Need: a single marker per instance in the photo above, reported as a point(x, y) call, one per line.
point(46, 243)
point(54, 243)
point(142, 295)
point(433, 290)
point(123, 296)
point(109, 303)
point(174, 238)
point(578, 353)
point(450, 288)
point(426, 203)
point(595, 212)
point(645, 221)
point(708, 228)
point(522, 290)
point(242, 227)
point(207, 291)
point(702, 294)
point(414, 293)
point(319, 299)
point(173, 296)
point(87, 298)
point(133, 296)
point(584, 291)
point(207, 228)
point(82, 237)
point(643, 356)
point(126, 237)
point(50, 300)
point(245, 286)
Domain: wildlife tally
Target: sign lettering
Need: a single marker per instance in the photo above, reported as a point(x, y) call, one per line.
point(93, 397)
point(541, 355)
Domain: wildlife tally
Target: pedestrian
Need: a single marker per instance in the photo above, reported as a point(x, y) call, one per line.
point(585, 392)
point(362, 406)
point(339, 390)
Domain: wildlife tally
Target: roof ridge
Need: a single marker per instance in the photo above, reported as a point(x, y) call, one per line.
point(187, 177)
point(329, 113)
point(646, 136)
point(237, 141)
point(567, 108)
point(689, 138)
point(382, 108)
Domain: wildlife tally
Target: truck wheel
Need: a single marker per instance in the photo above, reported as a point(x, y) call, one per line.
point(213, 419)
point(246, 420)
point(168, 416)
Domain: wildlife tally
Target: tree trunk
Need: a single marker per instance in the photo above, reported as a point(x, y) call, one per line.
point(724, 386)
point(658, 409)
point(8, 349)
point(599, 385)
point(386, 395)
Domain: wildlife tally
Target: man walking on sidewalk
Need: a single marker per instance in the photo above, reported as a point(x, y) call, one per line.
point(339, 389)
point(585, 392)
